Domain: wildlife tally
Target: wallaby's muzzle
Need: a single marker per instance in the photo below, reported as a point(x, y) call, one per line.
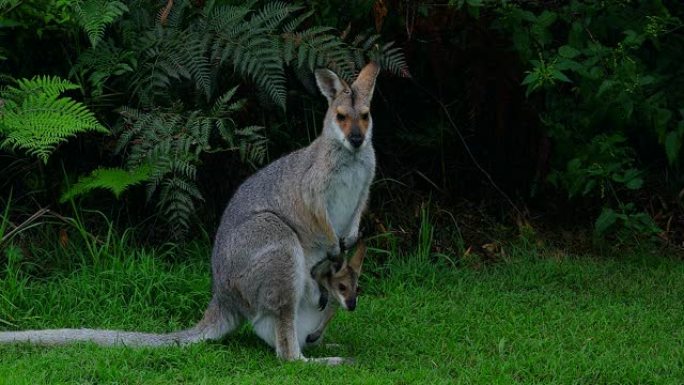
point(350, 304)
point(356, 137)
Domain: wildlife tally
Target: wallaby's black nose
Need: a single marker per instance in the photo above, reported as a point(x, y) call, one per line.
point(351, 304)
point(356, 140)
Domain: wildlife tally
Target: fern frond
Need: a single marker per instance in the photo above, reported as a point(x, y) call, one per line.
point(221, 104)
point(273, 14)
point(116, 180)
point(35, 119)
point(225, 17)
point(176, 203)
point(192, 53)
point(389, 57)
point(98, 65)
point(95, 15)
point(392, 59)
point(50, 86)
point(293, 24)
point(172, 143)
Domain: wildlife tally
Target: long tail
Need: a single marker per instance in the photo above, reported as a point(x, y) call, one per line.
point(213, 325)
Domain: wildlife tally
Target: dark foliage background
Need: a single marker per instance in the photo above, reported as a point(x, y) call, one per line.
point(495, 117)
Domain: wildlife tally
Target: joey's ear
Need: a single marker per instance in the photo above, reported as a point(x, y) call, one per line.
point(364, 84)
point(321, 269)
point(338, 268)
point(356, 261)
point(330, 84)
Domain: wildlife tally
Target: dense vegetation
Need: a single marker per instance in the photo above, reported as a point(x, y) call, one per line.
point(540, 108)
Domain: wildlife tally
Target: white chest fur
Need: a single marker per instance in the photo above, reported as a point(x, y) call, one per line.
point(344, 195)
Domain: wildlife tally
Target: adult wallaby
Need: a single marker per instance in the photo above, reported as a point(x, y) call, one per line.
point(281, 222)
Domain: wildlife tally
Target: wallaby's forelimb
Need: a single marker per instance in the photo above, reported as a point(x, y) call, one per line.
point(328, 315)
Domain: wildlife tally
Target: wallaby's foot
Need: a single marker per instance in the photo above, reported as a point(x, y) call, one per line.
point(331, 361)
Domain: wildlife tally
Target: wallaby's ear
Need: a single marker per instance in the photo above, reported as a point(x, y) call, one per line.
point(321, 269)
point(330, 84)
point(364, 84)
point(338, 269)
point(356, 261)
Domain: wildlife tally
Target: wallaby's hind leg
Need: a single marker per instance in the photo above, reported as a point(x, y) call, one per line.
point(216, 322)
point(287, 345)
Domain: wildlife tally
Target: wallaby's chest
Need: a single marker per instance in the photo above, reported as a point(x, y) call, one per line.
point(344, 194)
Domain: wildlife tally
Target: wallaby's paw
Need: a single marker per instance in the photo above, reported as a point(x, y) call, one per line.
point(313, 337)
point(332, 361)
point(323, 301)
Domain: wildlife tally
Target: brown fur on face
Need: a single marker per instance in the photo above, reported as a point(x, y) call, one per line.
point(358, 118)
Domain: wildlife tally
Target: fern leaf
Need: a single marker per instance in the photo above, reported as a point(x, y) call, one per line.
point(35, 119)
point(116, 180)
point(50, 86)
point(95, 15)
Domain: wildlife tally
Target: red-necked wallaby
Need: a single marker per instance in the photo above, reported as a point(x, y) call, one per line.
point(281, 222)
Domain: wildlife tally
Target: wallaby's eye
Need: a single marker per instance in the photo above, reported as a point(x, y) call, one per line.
point(364, 116)
point(342, 287)
point(341, 117)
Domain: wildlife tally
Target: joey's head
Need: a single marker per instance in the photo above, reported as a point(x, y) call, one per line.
point(348, 119)
point(343, 281)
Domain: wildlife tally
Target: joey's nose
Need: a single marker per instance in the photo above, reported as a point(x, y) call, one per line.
point(356, 140)
point(351, 304)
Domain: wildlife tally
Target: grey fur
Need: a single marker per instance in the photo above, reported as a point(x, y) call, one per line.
point(281, 222)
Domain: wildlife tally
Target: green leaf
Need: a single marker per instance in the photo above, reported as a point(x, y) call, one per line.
point(632, 39)
point(607, 219)
point(567, 64)
point(673, 145)
point(632, 179)
point(560, 76)
point(605, 86)
point(95, 15)
point(35, 119)
point(567, 51)
point(531, 77)
point(546, 18)
point(115, 180)
point(661, 118)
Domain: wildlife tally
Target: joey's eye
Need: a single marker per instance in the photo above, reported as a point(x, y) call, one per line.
point(342, 287)
point(341, 117)
point(364, 116)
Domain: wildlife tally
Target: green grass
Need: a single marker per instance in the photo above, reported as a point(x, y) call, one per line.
point(530, 320)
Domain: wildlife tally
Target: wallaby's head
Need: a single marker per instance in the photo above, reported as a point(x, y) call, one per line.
point(348, 118)
point(343, 281)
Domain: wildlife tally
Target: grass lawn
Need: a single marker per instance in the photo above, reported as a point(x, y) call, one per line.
point(530, 320)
